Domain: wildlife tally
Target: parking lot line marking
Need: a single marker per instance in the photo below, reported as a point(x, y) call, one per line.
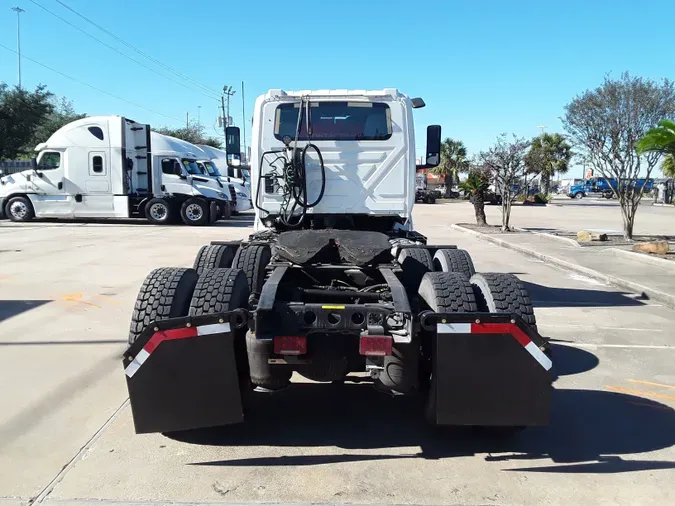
point(651, 383)
point(592, 346)
point(586, 327)
point(77, 297)
point(640, 393)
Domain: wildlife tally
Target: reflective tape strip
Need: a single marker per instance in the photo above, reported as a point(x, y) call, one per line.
point(454, 328)
point(216, 328)
point(168, 335)
point(539, 356)
point(136, 363)
point(498, 328)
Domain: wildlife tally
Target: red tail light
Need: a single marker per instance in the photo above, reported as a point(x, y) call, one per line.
point(290, 345)
point(377, 346)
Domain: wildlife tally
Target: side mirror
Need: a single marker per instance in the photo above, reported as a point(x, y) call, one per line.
point(232, 144)
point(433, 157)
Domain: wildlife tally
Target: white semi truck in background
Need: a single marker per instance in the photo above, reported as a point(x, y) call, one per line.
point(232, 173)
point(113, 167)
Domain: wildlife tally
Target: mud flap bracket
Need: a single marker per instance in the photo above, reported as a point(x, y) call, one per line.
point(182, 373)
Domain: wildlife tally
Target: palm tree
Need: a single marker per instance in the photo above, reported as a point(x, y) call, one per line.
point(476, 184)
point(668, 166)
point(660, 139)
point(549, 153)
point(453, 161)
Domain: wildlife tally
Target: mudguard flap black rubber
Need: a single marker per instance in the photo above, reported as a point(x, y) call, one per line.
point(492, 373)
point(182, 374)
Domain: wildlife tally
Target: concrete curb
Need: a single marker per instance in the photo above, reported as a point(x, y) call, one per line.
point(665, 298)
point(641, 257)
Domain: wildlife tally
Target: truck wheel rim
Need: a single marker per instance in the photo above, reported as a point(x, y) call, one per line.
point(158, 212)
point(194, 212)
point(18, 210)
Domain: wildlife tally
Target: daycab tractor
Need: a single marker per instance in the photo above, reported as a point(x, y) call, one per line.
point(335, 282)
point(112, 167)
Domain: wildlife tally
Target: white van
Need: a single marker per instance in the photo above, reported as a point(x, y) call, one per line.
point(103, 167)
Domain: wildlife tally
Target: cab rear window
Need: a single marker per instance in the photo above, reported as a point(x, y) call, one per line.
point(335, 121)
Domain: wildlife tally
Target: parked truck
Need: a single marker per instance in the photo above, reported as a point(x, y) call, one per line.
point(334, 282)
point(605, 187)
point(112, 167)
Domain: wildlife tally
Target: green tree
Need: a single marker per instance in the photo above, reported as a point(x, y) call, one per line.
point(606, 124)
point(453, 161)
point(476, 185)
point(63, 113)
point(194, 133)
point(659, 140)
point(548, 154)
point(506, 162)
point(668, 166)
point(21, 114)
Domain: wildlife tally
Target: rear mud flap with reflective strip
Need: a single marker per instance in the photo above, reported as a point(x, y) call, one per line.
point(491, 373)
point(182, 373)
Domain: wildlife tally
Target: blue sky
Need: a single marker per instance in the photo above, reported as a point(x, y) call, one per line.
point(483, 67)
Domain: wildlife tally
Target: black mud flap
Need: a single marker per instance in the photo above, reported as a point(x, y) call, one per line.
point(490, 369)
point(182, 373)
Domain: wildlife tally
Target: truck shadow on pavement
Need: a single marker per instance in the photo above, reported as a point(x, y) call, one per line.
point(589, 432)
point(546, 296)
point(9, 308)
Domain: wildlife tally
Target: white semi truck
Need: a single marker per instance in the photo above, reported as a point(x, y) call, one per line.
point(335, 281)
point(231, 172)
point(112, 167)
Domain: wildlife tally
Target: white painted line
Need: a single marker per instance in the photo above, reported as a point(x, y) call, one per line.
point(216, 328)
point(592, 328)
point(619, 346)
point(454, 328)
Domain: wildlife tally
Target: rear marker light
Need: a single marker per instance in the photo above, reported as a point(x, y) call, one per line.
point(375, 346)
point(290, 345)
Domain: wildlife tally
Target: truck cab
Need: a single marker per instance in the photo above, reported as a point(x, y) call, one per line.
point(222, 167)
point(112, 167)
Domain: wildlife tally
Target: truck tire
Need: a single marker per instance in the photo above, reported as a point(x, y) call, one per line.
point(194, 211)
point(158, 211)
point(444, 292)
point(448, 292)
point(213, 256)
point(165, 293)
point(454, 260)
point(579, 195)
point(416, 262)
point(219, 290)
point(503, 293)
point(19, 209)
point(226, 211)
point(431, 198)
point(252, 260)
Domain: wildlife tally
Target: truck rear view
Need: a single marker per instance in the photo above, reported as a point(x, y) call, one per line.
point(335, 282)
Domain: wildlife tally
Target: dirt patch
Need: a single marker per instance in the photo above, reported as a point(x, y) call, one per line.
point(490, 229)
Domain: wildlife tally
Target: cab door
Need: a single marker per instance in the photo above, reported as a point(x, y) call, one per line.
point(48, 186)
point(96, 201)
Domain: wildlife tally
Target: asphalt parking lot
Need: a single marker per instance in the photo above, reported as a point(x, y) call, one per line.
point(66, 434)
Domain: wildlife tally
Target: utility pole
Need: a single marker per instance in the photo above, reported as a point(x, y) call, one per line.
point(243, 119)
point(199, 115)
point(542, 127)
point(18, 11)
point(187, 120)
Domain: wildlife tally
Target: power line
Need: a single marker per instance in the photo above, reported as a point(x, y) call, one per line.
point(120, 52)
point(142, 53)
point(88, 85)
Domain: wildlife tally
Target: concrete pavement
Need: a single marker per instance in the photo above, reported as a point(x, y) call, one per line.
point(66, 292)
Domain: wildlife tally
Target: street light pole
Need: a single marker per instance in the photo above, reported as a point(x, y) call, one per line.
point(18, 11)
